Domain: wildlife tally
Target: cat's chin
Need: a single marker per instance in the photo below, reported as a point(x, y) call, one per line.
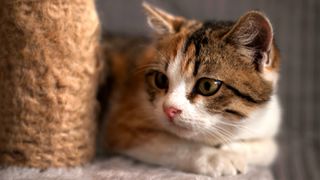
point(178, 126)
point(180, 130)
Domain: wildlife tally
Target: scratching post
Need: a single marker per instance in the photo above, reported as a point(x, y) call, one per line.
point(48, 82)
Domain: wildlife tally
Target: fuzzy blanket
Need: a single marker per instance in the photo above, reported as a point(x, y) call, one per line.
point(118, 168)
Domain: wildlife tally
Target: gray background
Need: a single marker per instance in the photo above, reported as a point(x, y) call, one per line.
point(297, 31)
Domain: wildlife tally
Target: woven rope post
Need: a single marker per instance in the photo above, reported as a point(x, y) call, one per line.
point(48, 80)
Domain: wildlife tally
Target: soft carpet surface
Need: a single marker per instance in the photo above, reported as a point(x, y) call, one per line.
point(119, 168)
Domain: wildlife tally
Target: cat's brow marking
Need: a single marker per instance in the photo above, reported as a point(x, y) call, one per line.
point(196, 67)
point(198, 39)
point(244, 96)
point(236, 113)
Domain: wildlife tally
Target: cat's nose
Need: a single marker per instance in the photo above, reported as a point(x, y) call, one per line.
point(171, 112)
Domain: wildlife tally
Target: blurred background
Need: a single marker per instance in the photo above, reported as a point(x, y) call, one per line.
point(297, 32)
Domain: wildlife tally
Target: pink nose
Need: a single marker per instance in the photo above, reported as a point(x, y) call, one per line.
point(171, 112)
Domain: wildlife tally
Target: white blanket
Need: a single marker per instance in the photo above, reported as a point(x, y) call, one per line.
point(118, 168)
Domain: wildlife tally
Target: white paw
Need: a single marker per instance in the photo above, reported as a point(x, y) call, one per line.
point(221, 163)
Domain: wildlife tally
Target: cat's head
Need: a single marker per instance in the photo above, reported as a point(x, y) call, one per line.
point(206, 76)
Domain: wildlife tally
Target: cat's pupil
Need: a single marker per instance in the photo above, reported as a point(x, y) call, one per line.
point(161, 80)
point(207, 86)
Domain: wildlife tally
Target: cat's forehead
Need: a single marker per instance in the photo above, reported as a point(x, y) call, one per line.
point(198, 50)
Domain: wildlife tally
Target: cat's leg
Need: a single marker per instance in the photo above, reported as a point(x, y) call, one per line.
point(170, 151)
point(261, 152)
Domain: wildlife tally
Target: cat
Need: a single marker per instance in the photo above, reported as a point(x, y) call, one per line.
point(201, 97)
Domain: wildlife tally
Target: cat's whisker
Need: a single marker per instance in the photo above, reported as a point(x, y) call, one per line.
point(198, 124)
point(239, 127)
point(222, 132)
point(222, 138)
point(227, 136)
point(215, 132)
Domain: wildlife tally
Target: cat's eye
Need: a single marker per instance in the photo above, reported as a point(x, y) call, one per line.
point(161, 80)
point(207, 86)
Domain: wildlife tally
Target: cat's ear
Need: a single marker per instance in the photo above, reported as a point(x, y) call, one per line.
point(253, 35)
point(161, 21)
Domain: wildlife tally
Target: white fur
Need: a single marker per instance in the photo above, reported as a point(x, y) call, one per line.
point(263, 123)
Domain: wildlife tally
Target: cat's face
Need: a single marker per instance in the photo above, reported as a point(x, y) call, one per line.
point(207, 77)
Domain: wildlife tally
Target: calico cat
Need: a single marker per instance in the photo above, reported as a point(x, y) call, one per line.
point(201, 97)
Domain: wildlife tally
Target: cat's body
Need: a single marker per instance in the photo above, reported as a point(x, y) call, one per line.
point(201, 98)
